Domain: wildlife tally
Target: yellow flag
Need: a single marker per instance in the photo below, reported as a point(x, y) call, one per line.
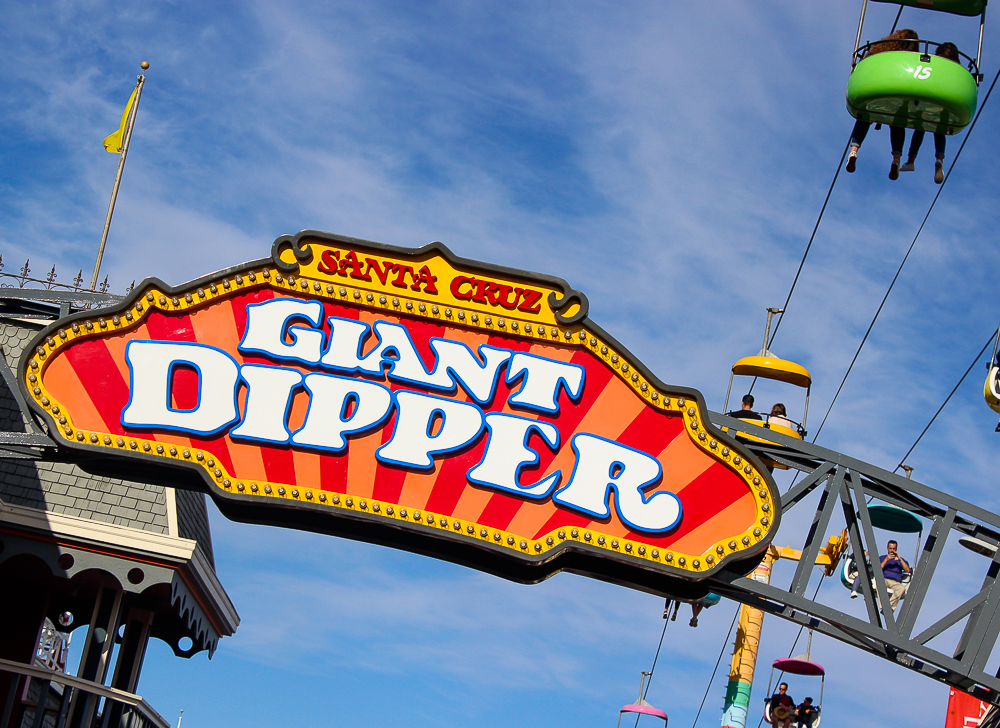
point(113, 142)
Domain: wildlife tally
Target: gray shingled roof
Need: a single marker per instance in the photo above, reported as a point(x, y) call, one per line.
point(65, 488)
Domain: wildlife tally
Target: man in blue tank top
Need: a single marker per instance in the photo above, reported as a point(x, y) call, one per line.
point(894, 567)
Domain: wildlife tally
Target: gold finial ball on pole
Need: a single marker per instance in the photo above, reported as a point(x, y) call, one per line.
point(144, 65)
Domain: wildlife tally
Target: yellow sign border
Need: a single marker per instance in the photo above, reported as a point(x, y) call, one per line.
point(263, 273)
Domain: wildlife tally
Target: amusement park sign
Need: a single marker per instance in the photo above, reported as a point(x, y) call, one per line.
point(411, 398)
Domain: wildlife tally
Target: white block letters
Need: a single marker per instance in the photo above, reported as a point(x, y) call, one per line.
point(151, 365)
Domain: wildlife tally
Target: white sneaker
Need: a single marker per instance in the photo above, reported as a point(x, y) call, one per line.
point(908, 167)
point(852, 160)
point(854, 595)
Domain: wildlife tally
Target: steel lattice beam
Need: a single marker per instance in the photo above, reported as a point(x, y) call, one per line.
point(852, 483)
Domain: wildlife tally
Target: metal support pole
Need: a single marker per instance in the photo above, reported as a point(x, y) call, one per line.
point(40, 704)
point(129, 662)
point(805, 412)
point(745, 656)
point(814, 540)
point(140, 80)
point(97, 650)
point(8, 708)
point(67, 698)
point(857, 42)
point(869, 535)
point(767, 329)
point(923, 570)
point(979, 51)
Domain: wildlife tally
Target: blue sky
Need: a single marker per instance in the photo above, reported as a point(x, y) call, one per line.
point(668, 159)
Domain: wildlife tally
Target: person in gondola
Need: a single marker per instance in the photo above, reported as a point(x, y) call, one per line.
point(746, 410)
point(805, 714)
point(949, 51)
point(782, 708)
point(696, 609)
point(861, 575)
point(777, 417)
point(894, 567)
point(902, 40)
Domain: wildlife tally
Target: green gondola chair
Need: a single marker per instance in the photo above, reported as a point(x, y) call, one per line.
point(917, 90)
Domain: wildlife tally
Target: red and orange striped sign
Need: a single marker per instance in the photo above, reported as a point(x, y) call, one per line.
point(412, 398)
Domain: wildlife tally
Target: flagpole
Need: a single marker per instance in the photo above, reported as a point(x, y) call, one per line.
point(140, 80)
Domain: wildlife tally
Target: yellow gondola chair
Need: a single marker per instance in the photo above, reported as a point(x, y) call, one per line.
point(766, 365)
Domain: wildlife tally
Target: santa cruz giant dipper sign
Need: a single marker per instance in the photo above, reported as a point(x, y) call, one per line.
point(408, 398)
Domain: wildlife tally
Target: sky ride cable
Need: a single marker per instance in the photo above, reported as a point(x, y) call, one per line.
point(816, 226)
point(993, 337)
point(805, 254)
point(708, 687)
point(840, 165)
point(799, 634)
point(908, 251)
point(872, 324)
point(653, 668)
point(896, 21)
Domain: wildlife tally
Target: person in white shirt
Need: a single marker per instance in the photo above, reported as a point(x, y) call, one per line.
point(777, 417)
